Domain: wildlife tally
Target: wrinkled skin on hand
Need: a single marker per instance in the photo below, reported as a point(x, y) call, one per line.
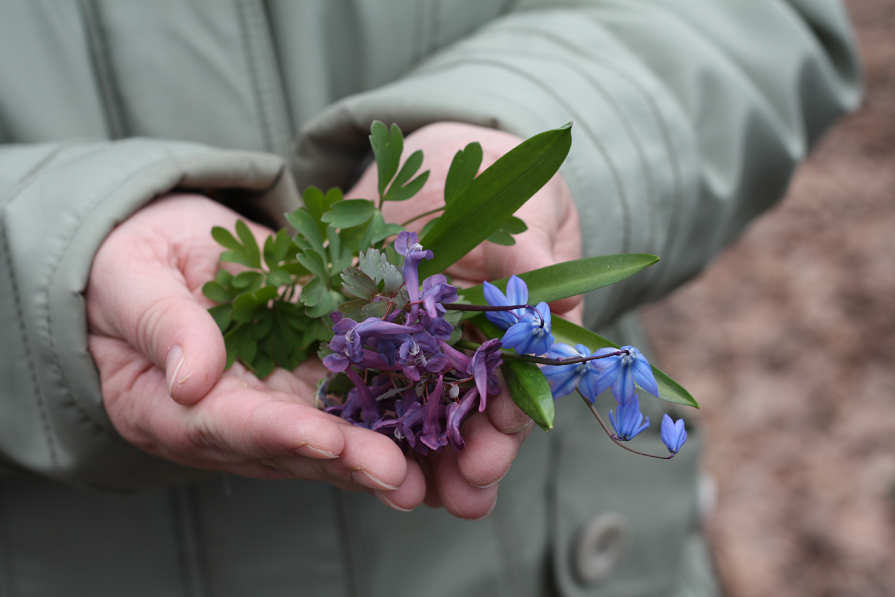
point(553, 236)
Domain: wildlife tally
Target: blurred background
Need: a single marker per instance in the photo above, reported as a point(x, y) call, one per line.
point(788, 343)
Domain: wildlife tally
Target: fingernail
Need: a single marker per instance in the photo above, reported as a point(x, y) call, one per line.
point(389, 503)
point(493, 483)
point(364, 478)
point(316, 452)
point(520, 428)
point(175, 357)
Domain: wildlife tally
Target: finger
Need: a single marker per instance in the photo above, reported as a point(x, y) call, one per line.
point(503, 412)
point(489, 453)
point(459, 497)
point(410, 494)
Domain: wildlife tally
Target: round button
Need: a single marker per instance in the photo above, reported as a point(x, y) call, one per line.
point(599, 547)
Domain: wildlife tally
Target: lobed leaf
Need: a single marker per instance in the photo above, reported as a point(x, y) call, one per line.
point(463, 170)
point(349, 213)
point(387, 148)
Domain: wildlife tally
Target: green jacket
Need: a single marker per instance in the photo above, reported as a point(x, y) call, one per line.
point(689, 120)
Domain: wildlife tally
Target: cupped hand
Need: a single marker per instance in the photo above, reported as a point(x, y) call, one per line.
point(466, 482)
point(161, 361)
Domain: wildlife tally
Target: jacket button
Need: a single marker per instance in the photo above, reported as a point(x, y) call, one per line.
point(599, 547)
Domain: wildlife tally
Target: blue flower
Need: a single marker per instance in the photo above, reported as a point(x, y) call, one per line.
point(517, 294)
point(527, 329)
point(564, 379)
point(630, 420)
point(620, 372)
point(673, 434)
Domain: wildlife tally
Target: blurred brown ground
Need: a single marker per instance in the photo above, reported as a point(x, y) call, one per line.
point(788, 342)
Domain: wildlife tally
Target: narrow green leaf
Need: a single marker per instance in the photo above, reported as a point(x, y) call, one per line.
point(571, 278)
point(249, 242)
point(530, 391)
point(494, 196)
point(464, 168)
point(514, 225)
point(409, 190)
point(349, 213)
point(568, 333)
point(428, 226)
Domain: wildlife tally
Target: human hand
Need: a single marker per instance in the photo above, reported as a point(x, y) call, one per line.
point(465, 482)
point(161, 362)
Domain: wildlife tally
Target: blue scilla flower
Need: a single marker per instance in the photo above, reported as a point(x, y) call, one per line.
point(630, 420)
point(673, 434)
point(620, 372)
point(527, 329)
point(564, 379)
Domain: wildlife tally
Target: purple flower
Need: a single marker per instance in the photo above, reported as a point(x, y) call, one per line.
point(673, 434)
point(408, 245)
point(481, 367)
point(630, 420)
point(434, 435)
point(620, 372)
point(456, 414)
point(436, 291)
point(348, 343)
point(421, 352)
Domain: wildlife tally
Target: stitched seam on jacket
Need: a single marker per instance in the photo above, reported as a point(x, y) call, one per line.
point(268, 89)
point(32, 370)
point(113, 108)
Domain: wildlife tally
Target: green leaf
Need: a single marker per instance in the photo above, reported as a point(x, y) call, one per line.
point(221, 316)
point(216, 292)
point(494, 196)
point(530, 391)
point(409, 190)
point(313, 292)
point(251, 245)
point(314, 262)
point(352, 309)
point(571, 278)
point(376, 309)
point(263, 365)
point(356, 283)
point(402, 190)
point(225, 238)
point(464, 167)
point(248, 281)
point(499, 237)
point(568, 333)
point(350, 212)
point(387, 148)
point(428, 226)
point(514, 225)
point(302, 221)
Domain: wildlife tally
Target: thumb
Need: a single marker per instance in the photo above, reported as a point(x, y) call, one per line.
point(151, 308)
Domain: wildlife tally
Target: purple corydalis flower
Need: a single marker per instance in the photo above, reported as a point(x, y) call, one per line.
point(348, 343)
point(437, 291)
point(620, 372)
point(481, 367)
point(421, 352)
point(408, 245)
point(630, 420)
point(673, 434)
point(456, 414)
point(434, 435)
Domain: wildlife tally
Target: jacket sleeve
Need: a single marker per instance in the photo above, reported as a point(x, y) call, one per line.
point(690, 117)
point(58, 201)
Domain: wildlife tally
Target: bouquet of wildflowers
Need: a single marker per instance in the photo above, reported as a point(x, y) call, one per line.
point(372, 301)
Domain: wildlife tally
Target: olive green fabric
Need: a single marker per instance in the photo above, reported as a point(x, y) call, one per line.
point(689, 120)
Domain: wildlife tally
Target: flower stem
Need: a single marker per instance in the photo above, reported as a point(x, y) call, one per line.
point(612, 436)
point(462, 307)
